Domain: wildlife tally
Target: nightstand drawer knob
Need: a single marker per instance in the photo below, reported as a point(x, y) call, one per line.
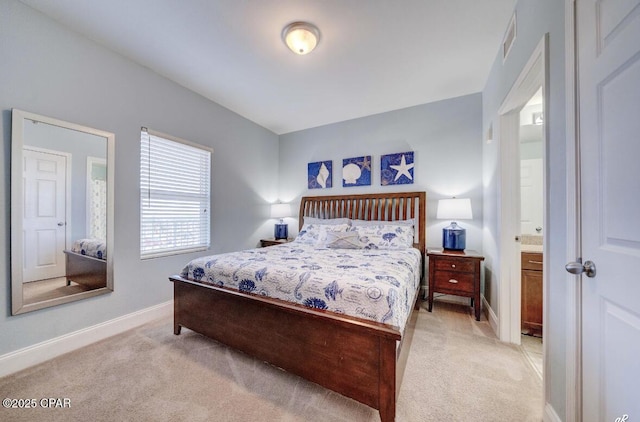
point(453, 265)
point(453, 280)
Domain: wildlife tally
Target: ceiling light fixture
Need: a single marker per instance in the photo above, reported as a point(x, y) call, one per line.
point(301, 37)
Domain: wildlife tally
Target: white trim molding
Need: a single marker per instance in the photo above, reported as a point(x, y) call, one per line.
point(573, 362)
point(491, 315)
point(550, 415)
point(29, 356)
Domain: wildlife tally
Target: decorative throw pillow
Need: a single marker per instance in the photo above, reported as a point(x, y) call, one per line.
point(325, 230)
point(311, 233)
point(385, 236)
point(342, 240)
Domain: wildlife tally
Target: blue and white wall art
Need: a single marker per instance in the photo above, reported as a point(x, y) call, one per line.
point(356, 171)
point(396, 169)
point(320, 175)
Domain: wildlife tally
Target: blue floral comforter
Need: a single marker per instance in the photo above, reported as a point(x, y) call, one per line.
point(377, 285)
point(96, 248)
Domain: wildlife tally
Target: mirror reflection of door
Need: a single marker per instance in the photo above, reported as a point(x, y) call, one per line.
point(45, 179)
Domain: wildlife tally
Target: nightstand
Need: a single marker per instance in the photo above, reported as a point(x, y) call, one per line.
point(455, 273)
point(272, 242)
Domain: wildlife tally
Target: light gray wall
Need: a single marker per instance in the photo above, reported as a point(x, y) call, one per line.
point(445, 135)
point(49, 70)
point(534, 19)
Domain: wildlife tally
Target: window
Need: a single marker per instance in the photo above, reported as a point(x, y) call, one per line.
point(174, 195)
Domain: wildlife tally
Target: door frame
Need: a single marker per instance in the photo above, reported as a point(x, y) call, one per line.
point(534, 75)
point(573, 352)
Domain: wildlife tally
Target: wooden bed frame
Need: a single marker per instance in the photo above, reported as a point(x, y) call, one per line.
point(355, 357)
point(86, 270)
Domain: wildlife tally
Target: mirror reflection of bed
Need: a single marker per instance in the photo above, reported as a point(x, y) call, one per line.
point(85, 269)
point(60, 227)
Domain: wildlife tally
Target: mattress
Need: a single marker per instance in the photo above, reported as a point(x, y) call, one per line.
point(96, 248)
point(377, 285)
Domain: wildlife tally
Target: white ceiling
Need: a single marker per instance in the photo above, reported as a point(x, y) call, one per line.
point(373, 56)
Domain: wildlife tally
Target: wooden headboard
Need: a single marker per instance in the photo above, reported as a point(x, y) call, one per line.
point(380, 206)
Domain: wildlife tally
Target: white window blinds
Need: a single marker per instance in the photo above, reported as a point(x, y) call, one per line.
point(174, 196)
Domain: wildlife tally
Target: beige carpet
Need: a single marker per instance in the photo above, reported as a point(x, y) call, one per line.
point(457, 371)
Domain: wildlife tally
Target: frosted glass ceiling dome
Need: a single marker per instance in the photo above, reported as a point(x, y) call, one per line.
point(301, 37)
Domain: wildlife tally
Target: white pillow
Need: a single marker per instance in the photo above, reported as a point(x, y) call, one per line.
point(409, 222)
point(310, 233)
point(325, 221)
point(385, 236)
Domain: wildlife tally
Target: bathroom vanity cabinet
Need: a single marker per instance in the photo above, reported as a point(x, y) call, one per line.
point(531, 296)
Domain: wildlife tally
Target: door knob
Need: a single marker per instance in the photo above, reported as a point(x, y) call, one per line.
point(61, 224)
point(577, 268)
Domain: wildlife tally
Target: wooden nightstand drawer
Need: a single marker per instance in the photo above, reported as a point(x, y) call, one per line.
point(455, 264)
point(454, 282)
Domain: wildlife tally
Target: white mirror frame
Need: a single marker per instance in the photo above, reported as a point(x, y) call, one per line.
point(17, 143)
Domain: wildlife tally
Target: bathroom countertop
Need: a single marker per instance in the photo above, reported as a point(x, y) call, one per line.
point(531, 248)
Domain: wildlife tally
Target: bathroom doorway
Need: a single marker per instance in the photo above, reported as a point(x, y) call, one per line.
point(532, 198)
point(521, 118)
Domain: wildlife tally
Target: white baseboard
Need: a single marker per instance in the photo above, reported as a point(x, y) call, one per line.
point(491, 316)
point(549, 414)
point(42, 352)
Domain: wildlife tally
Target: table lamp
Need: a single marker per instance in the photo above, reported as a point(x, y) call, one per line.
point(281, 229)
point(454, 236)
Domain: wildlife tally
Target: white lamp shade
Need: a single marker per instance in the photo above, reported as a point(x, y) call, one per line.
point(454, 209)
point(280, 210)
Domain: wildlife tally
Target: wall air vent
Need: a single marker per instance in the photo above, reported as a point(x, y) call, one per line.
point(509, 37)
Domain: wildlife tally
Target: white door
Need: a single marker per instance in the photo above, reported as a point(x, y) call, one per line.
point(44, 215)
point(609, 112)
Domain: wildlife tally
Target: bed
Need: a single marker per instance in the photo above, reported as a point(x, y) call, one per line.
point(357, 356)
point(86, 263)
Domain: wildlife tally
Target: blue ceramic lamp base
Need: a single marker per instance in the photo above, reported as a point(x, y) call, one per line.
point(454, 237)
point(281, 231)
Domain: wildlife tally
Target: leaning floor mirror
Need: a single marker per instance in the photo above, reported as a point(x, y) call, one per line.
point(61, 212)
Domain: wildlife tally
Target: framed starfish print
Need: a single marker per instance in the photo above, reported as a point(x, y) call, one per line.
point(396, 169)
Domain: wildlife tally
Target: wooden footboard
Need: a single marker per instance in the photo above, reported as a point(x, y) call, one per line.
point(351, 356)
